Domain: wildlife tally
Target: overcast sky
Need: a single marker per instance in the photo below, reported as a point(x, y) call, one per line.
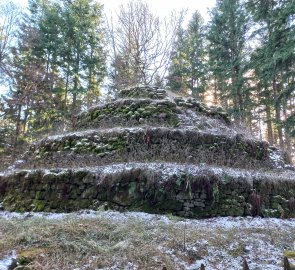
point(162, 7)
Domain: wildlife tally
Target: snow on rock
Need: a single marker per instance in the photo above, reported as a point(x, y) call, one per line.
point(167, 169)
point(16, 164)
point(276, 157)
point(89, 132)
point(198, 121)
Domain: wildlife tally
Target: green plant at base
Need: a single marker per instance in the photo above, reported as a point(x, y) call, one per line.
point(215, 193)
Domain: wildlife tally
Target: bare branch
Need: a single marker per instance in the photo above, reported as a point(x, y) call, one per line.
point(141, 43)
point(9, 14)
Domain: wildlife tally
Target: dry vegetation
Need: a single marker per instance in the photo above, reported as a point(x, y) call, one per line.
point(110, 240)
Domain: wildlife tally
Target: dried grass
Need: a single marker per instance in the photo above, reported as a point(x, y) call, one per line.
point(91, 243)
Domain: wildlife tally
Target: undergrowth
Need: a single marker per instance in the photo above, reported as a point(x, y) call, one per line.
point(93, 243)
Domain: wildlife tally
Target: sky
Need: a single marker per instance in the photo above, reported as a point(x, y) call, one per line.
point(161, 7)
point(164, 7)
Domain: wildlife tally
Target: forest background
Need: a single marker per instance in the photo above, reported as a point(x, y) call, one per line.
point(58, 58)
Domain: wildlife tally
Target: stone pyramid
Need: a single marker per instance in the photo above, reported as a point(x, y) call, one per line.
point(152, 151)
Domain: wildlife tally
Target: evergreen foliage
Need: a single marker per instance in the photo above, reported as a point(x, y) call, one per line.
point(273, 62)
point(227, 54)
point(188, 66)
point(56, 67)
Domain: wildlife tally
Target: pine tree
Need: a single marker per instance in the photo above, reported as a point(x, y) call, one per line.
point(59, 53)
point(227, 47)
point(177, 79)
point(188, 64)
point(274, 61)
point(197, 68)
point(71, 44)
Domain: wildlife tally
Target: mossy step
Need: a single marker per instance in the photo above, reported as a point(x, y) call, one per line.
point(143, 91)
point(134, 112)
point(98, 147)
point(129, 112)
point(184, 190)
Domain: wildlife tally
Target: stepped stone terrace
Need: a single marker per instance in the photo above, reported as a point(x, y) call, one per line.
point(153, 151)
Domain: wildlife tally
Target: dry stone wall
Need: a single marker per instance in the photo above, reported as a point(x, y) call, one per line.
point(143, 92)
point(153, 152)
point(184, 190)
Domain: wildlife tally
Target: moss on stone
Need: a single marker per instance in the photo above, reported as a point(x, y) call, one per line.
point(202, 194)
point(40, 195)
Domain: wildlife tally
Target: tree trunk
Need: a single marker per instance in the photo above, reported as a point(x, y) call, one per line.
point(17, 131)
point(238, 91)
point(215, 93)
point(288, 146)
point(67, 85)
point(76, 83)
point(89, 94)
point(270, 136)
point(278, 115)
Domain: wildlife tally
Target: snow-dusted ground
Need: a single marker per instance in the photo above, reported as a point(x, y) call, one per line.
point(217, 222)
point(218, 243)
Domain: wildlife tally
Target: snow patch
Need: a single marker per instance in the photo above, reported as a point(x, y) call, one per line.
point(276, 157)
point(167, 169)
point(216, 222)
point(7, 260)
point(192, 120)
point(89, 132)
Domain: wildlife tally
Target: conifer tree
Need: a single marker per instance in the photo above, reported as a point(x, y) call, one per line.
point(56, 66)
point(275, 57)
point(227, 60)
point(188, 64)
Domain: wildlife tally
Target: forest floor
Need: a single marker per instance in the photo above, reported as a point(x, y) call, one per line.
point(91, 240)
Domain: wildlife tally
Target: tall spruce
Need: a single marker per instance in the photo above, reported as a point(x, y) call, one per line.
point(177, 79)
point(274, 61)
point(56, 66)
point(227, 60)
point(71, 43)
point(188, 60)
point(83, 47)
